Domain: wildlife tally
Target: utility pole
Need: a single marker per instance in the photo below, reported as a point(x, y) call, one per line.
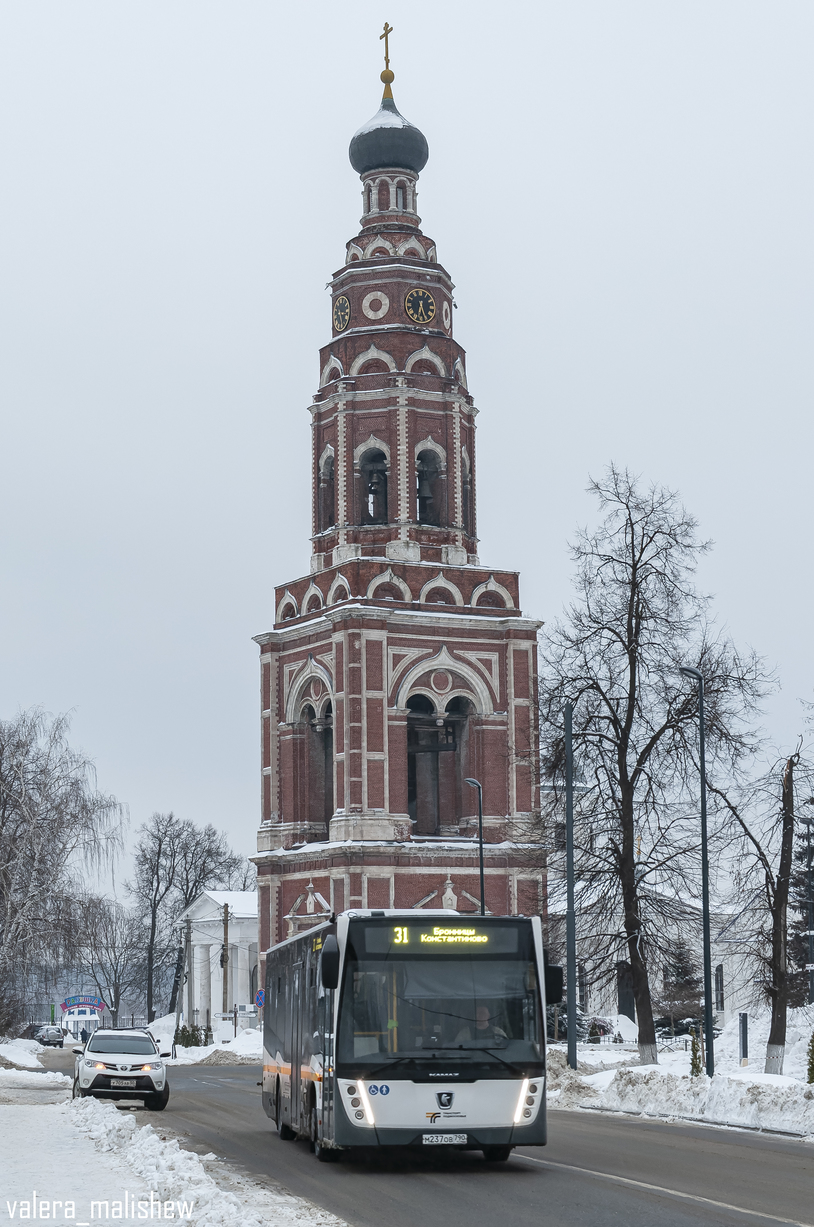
point(710, 1055)
point(570, 913)
point(190, 974)
point(224, 959)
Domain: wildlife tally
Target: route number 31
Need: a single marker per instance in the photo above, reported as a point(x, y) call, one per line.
point(401, 936)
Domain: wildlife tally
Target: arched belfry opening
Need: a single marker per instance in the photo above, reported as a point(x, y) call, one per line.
point(373, 487)
point(437, 762)
point(327, 493)
point(318, 767)
point(429, 488)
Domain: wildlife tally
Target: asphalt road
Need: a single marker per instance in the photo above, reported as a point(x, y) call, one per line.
point(596, 1169)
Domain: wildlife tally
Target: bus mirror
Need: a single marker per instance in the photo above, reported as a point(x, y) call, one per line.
point(330, 962)
point(553, 985)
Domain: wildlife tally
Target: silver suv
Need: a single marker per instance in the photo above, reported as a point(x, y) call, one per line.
point(122, 1065)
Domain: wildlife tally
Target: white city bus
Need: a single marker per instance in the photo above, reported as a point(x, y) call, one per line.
point(409, 1029)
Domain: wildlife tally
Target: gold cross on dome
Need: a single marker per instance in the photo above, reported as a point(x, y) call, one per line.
point(388, 30)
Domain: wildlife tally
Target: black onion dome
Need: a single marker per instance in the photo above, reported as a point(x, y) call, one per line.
point(388, 140)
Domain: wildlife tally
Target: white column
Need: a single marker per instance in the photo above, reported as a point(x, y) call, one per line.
point(203, 983)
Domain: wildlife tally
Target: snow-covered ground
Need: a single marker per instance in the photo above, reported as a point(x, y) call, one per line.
point(73, 1154)
point(737, 1096)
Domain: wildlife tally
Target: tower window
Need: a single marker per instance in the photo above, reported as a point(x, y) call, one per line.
point(373, 481)
point(384, 196)
point(400, 197)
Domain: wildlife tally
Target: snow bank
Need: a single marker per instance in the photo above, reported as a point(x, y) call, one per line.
point(24, 1078)
point(178, 1175)
point(737, 1096)
point(22, 1053)
point(770, 1102)
point(246, 1048)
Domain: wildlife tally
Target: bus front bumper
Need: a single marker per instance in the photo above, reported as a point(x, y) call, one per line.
point(347, 1133)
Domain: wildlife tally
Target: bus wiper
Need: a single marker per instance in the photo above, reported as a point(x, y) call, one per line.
point(509, 1064)
point(371, 1073)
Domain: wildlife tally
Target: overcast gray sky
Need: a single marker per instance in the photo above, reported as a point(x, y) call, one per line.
point(622, 192)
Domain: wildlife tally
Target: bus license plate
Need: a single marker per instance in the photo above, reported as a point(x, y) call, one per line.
point(445, 1139)
point(128, 1082)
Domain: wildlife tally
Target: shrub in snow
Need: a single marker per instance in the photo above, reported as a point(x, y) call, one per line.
point(695, 1057)
point(811, 1058)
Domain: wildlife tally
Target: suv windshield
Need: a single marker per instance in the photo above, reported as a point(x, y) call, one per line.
point(132, 1045)
point(467, 992)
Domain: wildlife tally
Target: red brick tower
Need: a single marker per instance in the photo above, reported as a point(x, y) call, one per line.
point(400, 665)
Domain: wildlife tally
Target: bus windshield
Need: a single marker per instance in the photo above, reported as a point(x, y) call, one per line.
point(465, 991)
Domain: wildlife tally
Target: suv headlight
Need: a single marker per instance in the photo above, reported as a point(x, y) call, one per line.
point(151, 1065)
point(94, 1065)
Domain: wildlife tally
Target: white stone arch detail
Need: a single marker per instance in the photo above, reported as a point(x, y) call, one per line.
point(429, 445)
point(312, 591)
point(370, 444)
point(327, 454)
point(443, 660)
point(432, 255)
point(467, 463)
point(427, 353)
point(441, 582)
point(296, 695)
point(339, 580)
point(410, 245)
point(354, 250)
point(332, 362)
point(458, 369)
point(388, 577)
point(368, 356)
point(379, 241)
point(286, 599)
point(492, 585)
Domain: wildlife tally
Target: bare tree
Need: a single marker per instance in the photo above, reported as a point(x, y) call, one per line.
point(205, 862)
point(762, 814)
point(53, 820)
point(175, 861)
point(616, 656)
point(155, 876)
point(109, 948)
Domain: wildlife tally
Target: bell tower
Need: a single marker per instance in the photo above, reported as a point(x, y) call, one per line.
point(400, 666)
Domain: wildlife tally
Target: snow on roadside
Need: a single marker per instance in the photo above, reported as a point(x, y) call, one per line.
point(736, 1096)
point(22, 1053)
point(245, 1049)
point(23, 1078)
point(179, 1175)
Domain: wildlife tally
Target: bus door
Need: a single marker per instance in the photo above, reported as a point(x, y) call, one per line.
point(295, 1084)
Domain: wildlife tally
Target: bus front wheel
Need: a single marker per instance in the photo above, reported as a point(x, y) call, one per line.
point(497, 1154)
point(321, 1152)
point(284, 1132)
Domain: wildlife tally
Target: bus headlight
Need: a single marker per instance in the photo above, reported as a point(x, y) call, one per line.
point(363, 1095)
point(518, 1115)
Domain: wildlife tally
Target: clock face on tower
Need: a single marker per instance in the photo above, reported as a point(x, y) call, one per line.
point(341, 313)
point(420, 306)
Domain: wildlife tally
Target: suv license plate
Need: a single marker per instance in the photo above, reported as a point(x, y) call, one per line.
point(123, 1082)
point(445, 1139)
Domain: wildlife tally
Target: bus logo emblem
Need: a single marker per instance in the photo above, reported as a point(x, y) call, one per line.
point(444, 1099)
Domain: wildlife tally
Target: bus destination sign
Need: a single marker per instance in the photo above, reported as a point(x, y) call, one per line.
point(410, 939)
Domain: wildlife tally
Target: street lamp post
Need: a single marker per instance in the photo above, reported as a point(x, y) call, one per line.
point(570, 912)
point(699, 680)
point(477, 784)
point(809, 822)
